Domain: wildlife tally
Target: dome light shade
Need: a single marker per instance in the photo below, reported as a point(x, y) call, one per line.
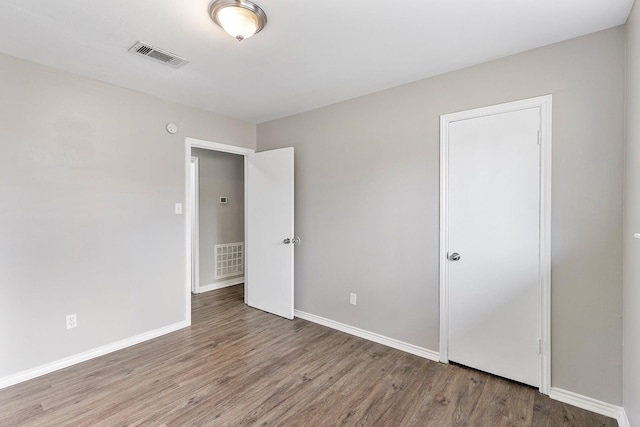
point(238, 22)
point(240, 18)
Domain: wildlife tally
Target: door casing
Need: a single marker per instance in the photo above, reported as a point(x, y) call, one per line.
point(194, 203)
point(544, 103)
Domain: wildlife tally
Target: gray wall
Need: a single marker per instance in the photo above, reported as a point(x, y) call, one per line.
point(221, 174)
point(631, 327)
point(88, 181)
point(89, 176)
point(367, 179)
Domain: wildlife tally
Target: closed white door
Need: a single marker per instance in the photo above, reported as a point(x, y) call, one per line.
point(269, 231)
point(493, 247)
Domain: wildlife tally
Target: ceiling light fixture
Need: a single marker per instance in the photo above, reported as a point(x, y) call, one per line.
point(240, 18)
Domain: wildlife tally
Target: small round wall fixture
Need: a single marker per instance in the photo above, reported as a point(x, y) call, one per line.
point(172, 128)
point(240, 18)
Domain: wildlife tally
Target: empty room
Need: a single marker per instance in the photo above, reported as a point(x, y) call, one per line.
point(232, 212)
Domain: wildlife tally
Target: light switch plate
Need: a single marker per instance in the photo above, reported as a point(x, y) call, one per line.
point(178, 208)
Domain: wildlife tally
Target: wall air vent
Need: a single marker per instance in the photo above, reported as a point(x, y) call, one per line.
point(159, 55)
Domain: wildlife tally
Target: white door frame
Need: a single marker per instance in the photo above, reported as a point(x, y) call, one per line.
point(544, 103)
point(190, 143)
point(194, 203)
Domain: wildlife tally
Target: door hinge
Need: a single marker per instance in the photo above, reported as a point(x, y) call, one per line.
point(539, 346)
point(539, 138)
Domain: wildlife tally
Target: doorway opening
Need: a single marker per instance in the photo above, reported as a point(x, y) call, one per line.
point(217, 199)
point(191, 215)
point(268, 227)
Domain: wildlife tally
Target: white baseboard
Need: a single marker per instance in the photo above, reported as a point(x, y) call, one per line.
point(220, 285)
point(623, 421)
point(371, 336)
point(590, 404)
point(87, 355)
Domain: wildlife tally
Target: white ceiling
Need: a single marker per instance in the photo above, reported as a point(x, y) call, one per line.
point(310, 54)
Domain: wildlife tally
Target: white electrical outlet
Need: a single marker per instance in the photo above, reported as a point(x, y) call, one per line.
point(72, 320)
point(352, 298)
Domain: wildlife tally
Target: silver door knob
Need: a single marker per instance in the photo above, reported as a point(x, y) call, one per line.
point(294, 241)
point(454, 256)
point(287, 241)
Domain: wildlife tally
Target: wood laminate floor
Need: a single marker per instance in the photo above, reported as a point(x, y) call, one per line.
point(236, 366)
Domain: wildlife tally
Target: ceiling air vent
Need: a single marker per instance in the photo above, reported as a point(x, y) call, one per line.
point(160, 55)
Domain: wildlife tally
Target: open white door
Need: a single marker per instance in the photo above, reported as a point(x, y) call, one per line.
point(269, 231)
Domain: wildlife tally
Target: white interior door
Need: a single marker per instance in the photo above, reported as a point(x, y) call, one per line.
point(269, 222)
point(493, 217)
